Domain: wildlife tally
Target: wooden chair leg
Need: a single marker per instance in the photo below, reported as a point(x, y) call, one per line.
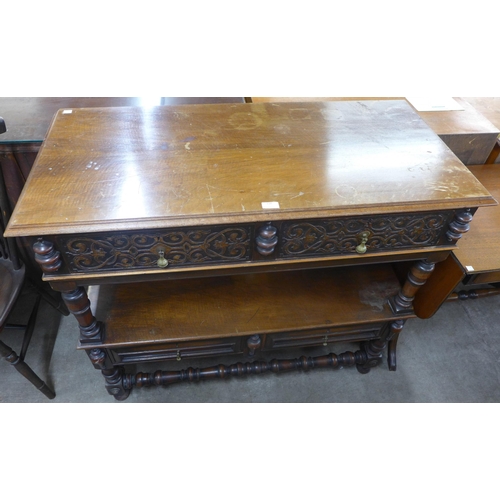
point(56, 303)
point(19, 364)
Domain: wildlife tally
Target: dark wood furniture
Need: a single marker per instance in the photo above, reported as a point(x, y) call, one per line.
point(469, 133)
point(28, 119)
point(297, 224)
point(12, 279)
point(477, 255)
point(489, 107)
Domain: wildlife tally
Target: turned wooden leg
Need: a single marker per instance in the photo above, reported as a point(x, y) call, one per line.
point(373, 354)
point(392, 337)
point(91, 330)
point(417, 276)
point(19, 364)
point(373, 349)
point(74, 297)
point(113, 375)
point(78, 303)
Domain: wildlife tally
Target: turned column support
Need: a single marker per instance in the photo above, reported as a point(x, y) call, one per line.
point(78, 303)
point(402, 302)
point(266, 239)
point(75, 297)
point(459, 225)
point(46, 256)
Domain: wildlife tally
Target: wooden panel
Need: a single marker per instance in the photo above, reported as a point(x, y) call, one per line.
point(318, 237)
point(321, 337)
point(141, 250)
point(28, 118)
point(446, 277)
point(484, 278)
point(120, 168)
point(489, 107)
point(469, 133)
point(479, 248)
point(177, 350)
point(244, 305)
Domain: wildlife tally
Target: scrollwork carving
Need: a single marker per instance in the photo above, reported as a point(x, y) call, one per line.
point(341, 236)
point(139, 251)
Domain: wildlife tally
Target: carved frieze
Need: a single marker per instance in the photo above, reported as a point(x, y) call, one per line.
point(342, 236)
point(178, 247)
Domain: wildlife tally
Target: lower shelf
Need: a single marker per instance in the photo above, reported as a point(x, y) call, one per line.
point(196, 318)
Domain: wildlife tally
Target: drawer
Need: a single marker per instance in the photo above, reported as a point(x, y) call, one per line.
point(354, 235)
point(177, 351)
point(321, 337)
point(143, 250)
point(228, 245)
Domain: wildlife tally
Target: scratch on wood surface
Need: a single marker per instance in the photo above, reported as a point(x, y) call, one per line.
point(253, 315)
point(300, 194)
point(211, 199)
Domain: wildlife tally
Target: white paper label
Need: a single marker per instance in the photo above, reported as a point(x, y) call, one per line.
point(67, 112)
point(434, 104)
point(270, 204)
point(469, 268)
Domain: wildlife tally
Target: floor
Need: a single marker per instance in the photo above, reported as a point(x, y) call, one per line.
point(451, 357)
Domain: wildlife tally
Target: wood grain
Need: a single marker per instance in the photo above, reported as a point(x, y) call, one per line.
point(122, 168)
point(470, 133)
point(480, 247)
point(28, 118)
point(244, 305)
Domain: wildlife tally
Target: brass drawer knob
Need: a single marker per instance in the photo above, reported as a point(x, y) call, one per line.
point(162, 262)
point(362, 239)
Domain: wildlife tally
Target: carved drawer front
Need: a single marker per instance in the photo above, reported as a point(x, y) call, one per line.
point(321, 337)
point(359, 235)
point(156, 248)
point(177, 351)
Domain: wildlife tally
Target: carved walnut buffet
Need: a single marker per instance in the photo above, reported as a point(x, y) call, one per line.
point(297, 224)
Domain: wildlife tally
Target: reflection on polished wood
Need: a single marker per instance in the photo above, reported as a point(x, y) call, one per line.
point(479, 249)
point(112, 168)
point(28, 118)
point(470, 133)
point(255, 203)
point(265, 303)
point(489, 107)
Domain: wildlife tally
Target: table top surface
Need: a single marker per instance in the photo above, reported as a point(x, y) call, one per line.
point(489, 107)
point(480, 115)
point(28, 118)
point(103, 169)
point(478, 249)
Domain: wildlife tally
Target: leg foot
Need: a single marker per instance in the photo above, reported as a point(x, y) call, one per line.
point(113, 375)
point(393, 337)
point(19, 364)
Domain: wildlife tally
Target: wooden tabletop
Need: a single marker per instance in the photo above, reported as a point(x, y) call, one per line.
point(28, 118)
point(476, 117)
point(470, 133)
point(479, 248)
point(123, 168)
point(489, 107)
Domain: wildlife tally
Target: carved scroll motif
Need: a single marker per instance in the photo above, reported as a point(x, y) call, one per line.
point(339, 236)
point(139, 251)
